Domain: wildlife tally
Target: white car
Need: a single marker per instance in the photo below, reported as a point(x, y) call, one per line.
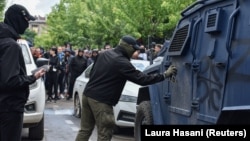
point(34, 108)
point(125, 110)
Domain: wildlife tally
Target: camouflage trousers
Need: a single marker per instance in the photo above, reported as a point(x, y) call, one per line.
point(99, 114)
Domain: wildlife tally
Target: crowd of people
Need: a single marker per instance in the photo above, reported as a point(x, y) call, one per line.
point(67, 64)
point(147, 53)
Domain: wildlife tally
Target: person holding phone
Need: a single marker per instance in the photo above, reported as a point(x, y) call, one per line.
point(14, 81)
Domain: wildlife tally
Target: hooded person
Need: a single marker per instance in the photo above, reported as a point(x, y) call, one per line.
point(76, 66)
point(93, 56)
point(18, 18)
point(129, 44)
point(14, 81)
point(108, 76)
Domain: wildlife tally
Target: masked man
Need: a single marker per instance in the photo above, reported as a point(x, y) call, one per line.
point(14, 82)
point(108, 76)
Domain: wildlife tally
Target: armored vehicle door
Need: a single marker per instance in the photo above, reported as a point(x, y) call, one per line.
point(199, 49)
point(213, 35)
point(180, 88)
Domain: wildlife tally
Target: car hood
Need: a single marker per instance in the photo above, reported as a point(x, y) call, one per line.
point(131, 89)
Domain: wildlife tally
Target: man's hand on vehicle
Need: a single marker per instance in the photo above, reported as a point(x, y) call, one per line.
point(170, 71)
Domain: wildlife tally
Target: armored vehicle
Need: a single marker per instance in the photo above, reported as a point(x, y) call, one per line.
point(211, 49)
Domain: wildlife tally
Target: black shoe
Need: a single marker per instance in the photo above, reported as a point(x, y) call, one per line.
point(68, 98)
point(49, 99)
point(57, 98)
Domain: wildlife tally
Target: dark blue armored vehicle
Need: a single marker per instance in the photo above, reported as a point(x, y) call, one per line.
point(211, 50)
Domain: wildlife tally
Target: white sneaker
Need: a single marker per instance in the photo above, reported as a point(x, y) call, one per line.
point(61, 95)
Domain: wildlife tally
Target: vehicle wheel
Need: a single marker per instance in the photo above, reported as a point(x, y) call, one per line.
point(37, 132)
point(143, 117)
point(77, 106)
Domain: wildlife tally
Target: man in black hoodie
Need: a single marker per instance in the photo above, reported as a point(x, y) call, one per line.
point(14, 81)
point(108, 76)
point(77, 65)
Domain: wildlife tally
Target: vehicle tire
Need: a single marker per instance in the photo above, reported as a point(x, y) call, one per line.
point(143, 117)
point(77, 106)
point(37, 132)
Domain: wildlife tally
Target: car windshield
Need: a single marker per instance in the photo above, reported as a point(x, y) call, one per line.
point(26, 56)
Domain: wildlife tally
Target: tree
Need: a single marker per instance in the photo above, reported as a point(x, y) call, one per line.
point(2, 6)
point(91, 22)
point(29, 35)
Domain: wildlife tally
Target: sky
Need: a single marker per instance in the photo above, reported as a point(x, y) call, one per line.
point(35, 7)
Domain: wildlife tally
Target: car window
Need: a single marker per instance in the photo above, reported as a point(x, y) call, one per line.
point(26, 55)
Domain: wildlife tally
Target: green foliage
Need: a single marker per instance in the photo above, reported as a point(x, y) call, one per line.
point(44, 41)
point(29, 35)
point(94, 22)
point(2, 5)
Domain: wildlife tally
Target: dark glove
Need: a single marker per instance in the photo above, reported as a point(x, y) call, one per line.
point(170, 71)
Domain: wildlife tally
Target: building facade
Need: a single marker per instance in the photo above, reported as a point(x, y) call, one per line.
point(39, 25)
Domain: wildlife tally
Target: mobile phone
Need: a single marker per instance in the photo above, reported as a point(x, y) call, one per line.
point(45, 67)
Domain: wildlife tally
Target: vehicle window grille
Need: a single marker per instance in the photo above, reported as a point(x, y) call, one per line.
point(211, 20)
point(179, 41)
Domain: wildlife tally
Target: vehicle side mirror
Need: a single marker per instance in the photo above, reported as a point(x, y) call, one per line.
point(42, 61)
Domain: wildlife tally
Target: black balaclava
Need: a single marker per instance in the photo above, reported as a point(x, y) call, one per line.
point(129, 44)
point(128, 48)
point(17, 17)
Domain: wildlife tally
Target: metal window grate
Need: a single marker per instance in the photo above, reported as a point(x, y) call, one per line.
point(179, 41)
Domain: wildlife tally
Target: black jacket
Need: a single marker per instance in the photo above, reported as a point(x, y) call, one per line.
point(109, 74)
point(14, 82)
point(77, 65)
point(54, 63)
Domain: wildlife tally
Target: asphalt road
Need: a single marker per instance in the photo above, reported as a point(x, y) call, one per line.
point(61, 125)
